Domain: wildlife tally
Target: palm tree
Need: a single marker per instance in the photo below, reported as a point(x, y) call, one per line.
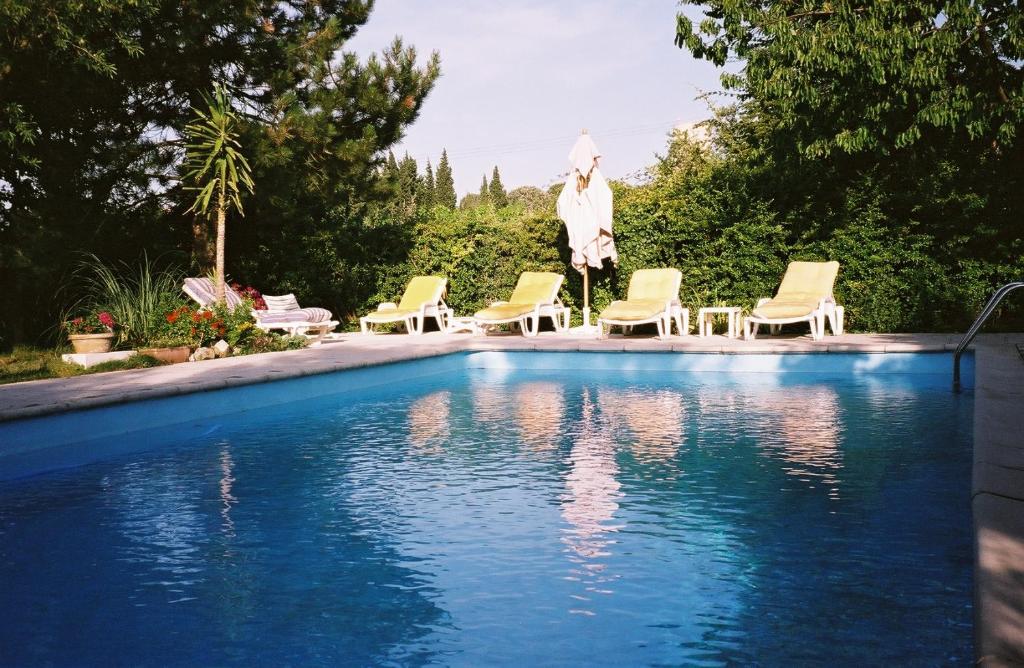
point(213, 162)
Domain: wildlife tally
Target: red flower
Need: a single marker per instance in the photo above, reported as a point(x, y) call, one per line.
point(106, 319)
point(172, 317)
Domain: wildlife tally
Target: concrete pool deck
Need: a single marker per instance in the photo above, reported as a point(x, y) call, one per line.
point(998, 473)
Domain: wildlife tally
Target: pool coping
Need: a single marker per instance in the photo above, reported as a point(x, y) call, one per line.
point(997, 491)
point(346, 351)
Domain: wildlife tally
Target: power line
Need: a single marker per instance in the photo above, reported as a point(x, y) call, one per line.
point(540, 144)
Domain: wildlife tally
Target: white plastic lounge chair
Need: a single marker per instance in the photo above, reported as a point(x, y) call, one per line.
point(652, 297)
point(423, 298)
point(805, 295)
point(535, 297)
point(283, 312)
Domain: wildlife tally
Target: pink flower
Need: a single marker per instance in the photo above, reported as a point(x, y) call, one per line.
point(106, 320)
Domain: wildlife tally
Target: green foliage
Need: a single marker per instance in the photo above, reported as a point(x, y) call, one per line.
point(212, 158)
point(429, 190)
point(24, 363)
point(270, 342)
point(533, 200)
point(98, 171)
point(444, 188)
point(711, 211)
point(484, 197)
point(137, 296)
point(214, 163)
point(188, 326)
point(883, 135)
point(871, 76)
point(496, 191)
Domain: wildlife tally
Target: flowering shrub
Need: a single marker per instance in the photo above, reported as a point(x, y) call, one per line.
point(252, 294)
point(94, 323)
point(206, 328)
point(185, 326)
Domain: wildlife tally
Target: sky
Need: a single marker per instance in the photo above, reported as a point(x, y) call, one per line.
point(519, 80)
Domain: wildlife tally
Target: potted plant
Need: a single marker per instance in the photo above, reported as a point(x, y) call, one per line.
point(92, 333)
point(174, 338)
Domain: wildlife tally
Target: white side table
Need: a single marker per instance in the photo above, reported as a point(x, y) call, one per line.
point(459, 325)
point(707, 314)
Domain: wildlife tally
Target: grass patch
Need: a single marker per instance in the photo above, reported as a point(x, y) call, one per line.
point(27, 363)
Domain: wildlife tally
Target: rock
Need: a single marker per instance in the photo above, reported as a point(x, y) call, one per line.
point(221, 348)
point(203, 354)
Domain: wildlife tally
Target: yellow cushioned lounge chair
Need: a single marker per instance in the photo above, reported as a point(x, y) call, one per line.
point(535, 297)
point(423, 298)
point(653, 296)
point(805, 295)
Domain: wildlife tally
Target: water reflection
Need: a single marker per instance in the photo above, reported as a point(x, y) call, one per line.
point(491, 405)
point(227, 499)
point(802, 426)
point(540, 407)
point(589, 504)
point(429, 419)
point(159, 513)
point(653, 420)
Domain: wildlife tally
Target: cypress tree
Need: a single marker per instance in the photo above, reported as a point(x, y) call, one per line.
point(444, 184)
point(408, 178)
point(428, 192)
point(484, 194)
point(497, 194)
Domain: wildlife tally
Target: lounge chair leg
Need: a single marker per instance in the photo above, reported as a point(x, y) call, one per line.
point(749, 329)
point(365, 326)
point(835, 320)
point(813, 322)
point(683, 322)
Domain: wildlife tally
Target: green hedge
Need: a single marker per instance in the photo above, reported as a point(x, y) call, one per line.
point(703, 216)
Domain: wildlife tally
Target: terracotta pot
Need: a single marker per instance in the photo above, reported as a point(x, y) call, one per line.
point(92, 343)
point(169, 355)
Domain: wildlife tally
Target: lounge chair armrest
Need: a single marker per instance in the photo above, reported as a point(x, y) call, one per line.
point(498, 303)
point(762, 301)
point(387, 306)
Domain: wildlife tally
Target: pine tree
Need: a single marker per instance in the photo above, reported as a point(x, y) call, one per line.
point(428, 189)
point(444, 185)
point(484, 194)
point(497, 194)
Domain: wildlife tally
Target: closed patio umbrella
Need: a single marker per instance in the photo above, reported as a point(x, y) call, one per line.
point(585, 206)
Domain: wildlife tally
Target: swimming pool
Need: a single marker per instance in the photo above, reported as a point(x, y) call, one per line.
point(499, 508)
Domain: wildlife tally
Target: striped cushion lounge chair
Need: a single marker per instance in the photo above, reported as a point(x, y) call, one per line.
point(423, 298)
point(283, 312)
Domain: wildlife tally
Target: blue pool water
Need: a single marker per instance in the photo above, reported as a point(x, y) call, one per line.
point(503, 516)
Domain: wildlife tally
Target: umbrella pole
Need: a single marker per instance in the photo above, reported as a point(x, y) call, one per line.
point(586, 298)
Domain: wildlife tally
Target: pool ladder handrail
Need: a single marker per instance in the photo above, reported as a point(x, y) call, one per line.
point(986, 312)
